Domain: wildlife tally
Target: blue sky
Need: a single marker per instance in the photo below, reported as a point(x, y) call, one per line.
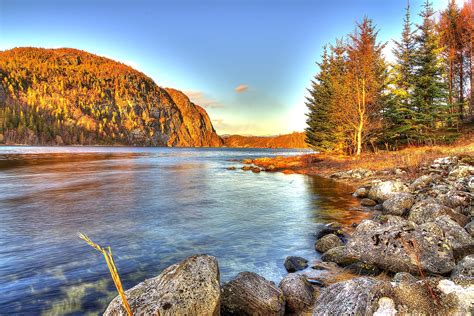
point(247, 62)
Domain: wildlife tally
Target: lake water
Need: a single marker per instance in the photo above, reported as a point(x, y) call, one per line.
point(154, 207)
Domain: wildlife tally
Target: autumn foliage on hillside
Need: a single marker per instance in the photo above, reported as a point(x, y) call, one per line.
point(293, 140)
point(68, 96)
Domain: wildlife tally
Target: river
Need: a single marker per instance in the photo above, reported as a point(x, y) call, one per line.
point(154, 207)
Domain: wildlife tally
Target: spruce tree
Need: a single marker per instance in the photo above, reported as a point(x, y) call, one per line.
point(429, 87)
point(319, 133)
point(399, 108)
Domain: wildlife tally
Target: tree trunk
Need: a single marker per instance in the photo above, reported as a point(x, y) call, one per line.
point(359, 138)
point(461, 89)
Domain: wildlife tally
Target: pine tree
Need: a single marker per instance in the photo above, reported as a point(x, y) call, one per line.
point(319, 133)
point(429, 88)
point(399, 109)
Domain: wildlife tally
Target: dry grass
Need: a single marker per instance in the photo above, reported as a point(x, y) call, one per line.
point(107, 252)
point(409, 159)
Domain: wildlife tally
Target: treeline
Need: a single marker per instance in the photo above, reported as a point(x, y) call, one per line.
point(68, 96)
point(360, 101)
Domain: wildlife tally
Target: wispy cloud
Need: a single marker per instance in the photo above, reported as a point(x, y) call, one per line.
point(241, 88)
point(200, 98)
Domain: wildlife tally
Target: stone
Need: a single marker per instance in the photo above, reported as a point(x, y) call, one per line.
point(190, 287)
point(367, 202)
point(298, 293)
point(386, 307)
point(457, 200)
point(400, 247)
point(293, 264)
point(464, 295)
point(246, 168)
point(398, 204)
point(328, 242)
point(361, 193)
point(231, 168)
point(250, 294)
point(339, 255)
point(461, 171)
point(463, 272)
point(421, 182)
point(352, 297)
point(404, 277)
point(270, 168)
point(323, 230)
point(427, 211)
point(255, 169)
point(382, 191)
point(470, 228)
point(461, 242)
point(362, 268)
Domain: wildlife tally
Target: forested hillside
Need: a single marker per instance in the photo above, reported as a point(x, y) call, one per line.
point(293, 140)
point(68, 96)
point(360, 101)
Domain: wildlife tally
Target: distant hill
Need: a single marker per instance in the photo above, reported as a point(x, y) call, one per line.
point(293, 140)
point(68, 96)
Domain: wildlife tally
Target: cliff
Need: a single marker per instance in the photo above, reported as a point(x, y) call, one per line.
point(67, 96)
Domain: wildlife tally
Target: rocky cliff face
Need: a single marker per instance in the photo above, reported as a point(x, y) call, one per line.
point(67, 97)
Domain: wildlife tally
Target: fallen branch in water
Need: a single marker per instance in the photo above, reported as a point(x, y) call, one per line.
point(112, 268)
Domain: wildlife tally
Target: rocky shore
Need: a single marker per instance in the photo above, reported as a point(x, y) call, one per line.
point(415, 255)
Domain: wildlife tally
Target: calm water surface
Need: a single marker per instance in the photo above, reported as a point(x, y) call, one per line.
point(154, 207)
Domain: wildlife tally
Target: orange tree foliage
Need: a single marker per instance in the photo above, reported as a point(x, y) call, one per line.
point(70, 96)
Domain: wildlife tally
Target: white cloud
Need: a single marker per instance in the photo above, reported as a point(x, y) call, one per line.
point(200, 98)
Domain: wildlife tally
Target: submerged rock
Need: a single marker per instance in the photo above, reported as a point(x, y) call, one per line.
point(382, 191)
point(190, 287)
point(250, 294)
point(400, 247)
point(298, 293)
point(293, 264)
point(328, 242)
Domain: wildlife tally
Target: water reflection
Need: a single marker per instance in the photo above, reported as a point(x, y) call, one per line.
point(154, 206)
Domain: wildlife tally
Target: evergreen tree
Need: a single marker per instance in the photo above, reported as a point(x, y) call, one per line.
point(319, 133)
point(399, 109)
point(429, 87)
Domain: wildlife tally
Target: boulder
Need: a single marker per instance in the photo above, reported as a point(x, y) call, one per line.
point(298, 293)
point(323, 230)
point(362, 268)
point(461, 171)
point(190, 287)
point(404, 277)
point(428, 210)
point(367, 202)
point(352, 297)
point(463, 272)
point(461, 242)
point(457, 200)
point(470, 228)
point(250, 294)
point(293, 264)
point(339, 255)
point(398, 204)
point(328, 242)
point(361, 193)
point(421, 182)
point(382, 191)
point(464, 294)
point(400, 246)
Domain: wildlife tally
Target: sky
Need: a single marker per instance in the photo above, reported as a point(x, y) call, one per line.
point(247, 62)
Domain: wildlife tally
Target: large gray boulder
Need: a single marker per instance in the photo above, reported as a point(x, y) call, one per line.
point(250, 294)
point(328, 242)
point(398, 204)
point(382, 191)
point(353, 297)
point(428, 210)
point(401, 246)
point(339, 255)
point(463, 273)
point(458, 238)
point(298, 293)
point(190, 287)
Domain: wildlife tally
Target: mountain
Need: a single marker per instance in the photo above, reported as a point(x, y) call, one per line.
point(293, 140)
point(68, 96)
